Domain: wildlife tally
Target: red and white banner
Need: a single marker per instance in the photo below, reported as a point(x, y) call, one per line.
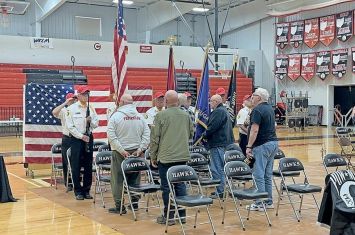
point(308, 66)
point(311, 32)
point(296, 33)
point(282, 34)
point(327, 29)
point(344, 23)
point(353, 58)
point(323, 64)
point(281, 64)
point(294, 66)
point(339, 62)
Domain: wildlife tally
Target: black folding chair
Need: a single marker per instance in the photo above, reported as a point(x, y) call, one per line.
point(276, 173)
point(301, 189)
point(104, 147)
point(197, 162)
point(236, 155)
point(333, 160)
point(97, 145)
point(233, 170)
point(347, 150)
point(57, 168)
point(102, 175)
point(138, 165)
point(186, 174)
point(154, 171)
point(233, 146)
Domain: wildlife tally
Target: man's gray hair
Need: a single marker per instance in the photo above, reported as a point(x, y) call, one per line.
point(263, 93)
point(182, 99)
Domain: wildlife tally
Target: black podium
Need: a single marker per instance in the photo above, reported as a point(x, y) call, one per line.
point(5, 190)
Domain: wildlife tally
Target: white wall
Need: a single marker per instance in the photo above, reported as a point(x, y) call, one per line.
point(320, 92)
point(17, 50)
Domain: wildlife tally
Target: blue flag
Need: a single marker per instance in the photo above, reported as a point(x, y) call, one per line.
point(202, 105)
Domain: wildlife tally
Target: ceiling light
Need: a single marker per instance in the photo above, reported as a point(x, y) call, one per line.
point(125, 2)
point(200, 9)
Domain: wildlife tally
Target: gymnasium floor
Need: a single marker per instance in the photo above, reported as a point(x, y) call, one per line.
point(44, 210)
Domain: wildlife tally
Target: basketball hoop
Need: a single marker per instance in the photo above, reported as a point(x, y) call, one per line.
point(4, 17)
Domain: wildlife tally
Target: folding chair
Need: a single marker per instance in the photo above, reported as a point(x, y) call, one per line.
point(57, 168)
point(69, 171)
point(347, 150)
point(233, 146)
point(155, 172)
point(138, 165)
point(236, 155)
point(97, 145)
point(333, 160)
point(104, 147)
point(236, 169)
point(276, 173)
point(199, 161)
point(301, 189)
point(186, 174)
point(102, 175)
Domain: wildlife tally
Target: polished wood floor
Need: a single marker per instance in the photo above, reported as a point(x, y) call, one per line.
point(42, 209)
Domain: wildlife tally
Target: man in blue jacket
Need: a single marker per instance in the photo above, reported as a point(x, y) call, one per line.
point(219, 135)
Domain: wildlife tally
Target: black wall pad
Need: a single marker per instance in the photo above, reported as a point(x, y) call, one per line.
point(46, 71)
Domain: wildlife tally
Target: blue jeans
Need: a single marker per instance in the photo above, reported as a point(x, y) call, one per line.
point(180, 188)
point(217, 167)
point(263, 167)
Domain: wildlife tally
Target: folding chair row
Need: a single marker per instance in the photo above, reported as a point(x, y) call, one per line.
point(57, 168)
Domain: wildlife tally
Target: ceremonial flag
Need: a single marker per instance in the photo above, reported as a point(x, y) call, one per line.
point(119, 66)
point(171, 82)
point(202, 103)
point(232, 94)
point(42, 129)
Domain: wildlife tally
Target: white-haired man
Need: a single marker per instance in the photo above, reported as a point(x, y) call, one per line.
point(262, 144)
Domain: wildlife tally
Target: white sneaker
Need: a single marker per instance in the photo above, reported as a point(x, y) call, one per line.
point(253, 207)
point(267, 206)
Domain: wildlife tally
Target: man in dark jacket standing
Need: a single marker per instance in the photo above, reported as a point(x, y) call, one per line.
point(219, 134)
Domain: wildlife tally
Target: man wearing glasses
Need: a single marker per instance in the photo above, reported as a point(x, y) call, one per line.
point(262, 144)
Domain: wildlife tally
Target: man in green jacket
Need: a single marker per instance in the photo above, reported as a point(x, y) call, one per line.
point(169, 147)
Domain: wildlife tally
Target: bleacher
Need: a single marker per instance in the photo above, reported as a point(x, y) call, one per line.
point(14, 76)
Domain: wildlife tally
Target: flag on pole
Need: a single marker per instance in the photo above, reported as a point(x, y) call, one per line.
point(232, 94)
point(202, 103)
point(171, 82)
point(42, 129)
point(119, 66)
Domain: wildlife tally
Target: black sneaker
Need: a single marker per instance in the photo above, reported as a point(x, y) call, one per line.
point(116, 210)
point(162, 220)
point(135, 207)
point(79, 197)
point(88, 196)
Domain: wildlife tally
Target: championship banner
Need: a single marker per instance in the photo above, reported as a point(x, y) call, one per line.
point(344, 22)
point(323, 64)
point(296, 33)
point(282, 30)
point(311, 32)
point(281, 64)
point(353, 58)
point(294, 66)
point(340, 60)
point(36, 43)
point(327, 29)
point(308, 66)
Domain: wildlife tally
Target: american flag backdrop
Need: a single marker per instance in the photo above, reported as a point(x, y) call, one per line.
point(120, 48)
point(42, 129)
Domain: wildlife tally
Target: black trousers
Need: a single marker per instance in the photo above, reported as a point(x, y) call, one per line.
point(243, 141)
point(66, 142)
point(80, 158)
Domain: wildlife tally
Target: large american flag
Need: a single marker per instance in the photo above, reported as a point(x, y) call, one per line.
point(42, 130)
point(119, 66)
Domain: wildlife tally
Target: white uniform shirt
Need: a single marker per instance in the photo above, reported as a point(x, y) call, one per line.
point(61, 116)
point(150, 115)
point(76, 119)
point(243, 115)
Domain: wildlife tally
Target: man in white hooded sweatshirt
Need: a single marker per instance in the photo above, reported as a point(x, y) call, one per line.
point(128, 134)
